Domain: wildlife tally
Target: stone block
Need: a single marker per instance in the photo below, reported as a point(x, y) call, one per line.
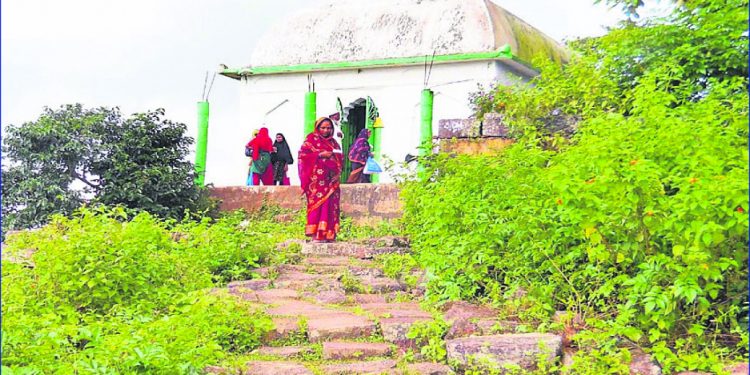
point(517, 349)
point(427, 368)
point(494, 126)
point(283, 351)
point(355, 350)
point(339, 327)
point(370, 367)
point(458, 128)
point(276, 368)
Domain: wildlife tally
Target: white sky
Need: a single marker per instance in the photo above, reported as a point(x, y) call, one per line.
point(146, 54)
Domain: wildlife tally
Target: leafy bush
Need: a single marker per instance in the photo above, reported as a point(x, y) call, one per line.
point(112, 294)
point(639, 219)
point(232, 246)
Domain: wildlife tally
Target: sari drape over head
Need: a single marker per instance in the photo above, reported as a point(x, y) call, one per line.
point(262, 147)
point(358, 155)
point(360, 150)
point(320, 183)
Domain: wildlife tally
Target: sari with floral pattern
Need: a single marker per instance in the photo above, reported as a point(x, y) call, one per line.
point(320, 184)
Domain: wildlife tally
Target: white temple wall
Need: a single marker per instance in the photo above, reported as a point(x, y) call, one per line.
point(396, 92)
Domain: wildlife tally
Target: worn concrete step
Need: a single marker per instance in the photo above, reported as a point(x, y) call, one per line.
point(522, 350)
point(276, 368)
point(343, 326)
point(387, 366)
point(337, 350)
point(354, 250)
point(283, 351)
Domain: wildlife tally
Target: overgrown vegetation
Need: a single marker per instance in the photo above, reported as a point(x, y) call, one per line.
point(110, 293)
point(623, 200)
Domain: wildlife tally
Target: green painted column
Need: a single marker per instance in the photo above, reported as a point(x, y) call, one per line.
point(377, 136)
point(311, 107)
point(425, 133)
point(201, 143)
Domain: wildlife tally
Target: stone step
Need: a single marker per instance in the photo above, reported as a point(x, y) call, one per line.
point(284, 328)
point(381, 284)
point(396, 310)
point(428, 368)
point(255, 284)
point(328, 261)
point(354, 250)
point(333, 296)
point(386, 241)
point(360, 298)
point(395, 330)
point(387, 366)
point(283, 351)
point(343, 326)
point(356, 270)
point(303, 281)
point(276, 368)
point(301, 309)
point(276, 295)
point(518, 349)
point(337, 350)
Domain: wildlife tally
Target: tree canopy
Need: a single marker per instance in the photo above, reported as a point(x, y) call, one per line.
point(73, 155)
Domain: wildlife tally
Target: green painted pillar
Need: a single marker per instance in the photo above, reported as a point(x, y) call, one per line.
point(201, 143)
point(425, 133)
point(377, 137)
point(311, 105)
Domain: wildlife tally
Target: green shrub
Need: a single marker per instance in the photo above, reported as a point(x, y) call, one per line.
point(639, 219)
point(111, 294)
point(97, 261)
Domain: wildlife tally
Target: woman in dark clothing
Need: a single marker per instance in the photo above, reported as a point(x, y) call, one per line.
point(281, 159)
point(358, 155)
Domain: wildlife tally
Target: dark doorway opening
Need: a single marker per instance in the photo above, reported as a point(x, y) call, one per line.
point(353, 121)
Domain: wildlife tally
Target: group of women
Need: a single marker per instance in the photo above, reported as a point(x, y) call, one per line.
point(269, 160)
point(320, 165)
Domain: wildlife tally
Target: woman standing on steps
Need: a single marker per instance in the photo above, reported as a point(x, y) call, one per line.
point(319, 172)
point(358, 155)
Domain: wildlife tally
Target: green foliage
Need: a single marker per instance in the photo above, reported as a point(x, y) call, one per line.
point(138, 162)
point(112, 294)
point(430, 336)
point(232, 246)
point(638, 218)
point(399, 266)
point(349, 231)
point(351, 283)
point(96, 262)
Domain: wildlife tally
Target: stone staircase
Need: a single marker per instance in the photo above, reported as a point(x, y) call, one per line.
point(335, 312)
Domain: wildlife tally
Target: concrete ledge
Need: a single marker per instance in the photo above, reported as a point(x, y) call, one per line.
point(359, 201)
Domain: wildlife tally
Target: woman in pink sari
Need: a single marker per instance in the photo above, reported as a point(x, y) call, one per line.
point(319, 172)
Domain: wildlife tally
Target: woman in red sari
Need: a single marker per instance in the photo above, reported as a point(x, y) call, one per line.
point(262, 146)
point(319, 172)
